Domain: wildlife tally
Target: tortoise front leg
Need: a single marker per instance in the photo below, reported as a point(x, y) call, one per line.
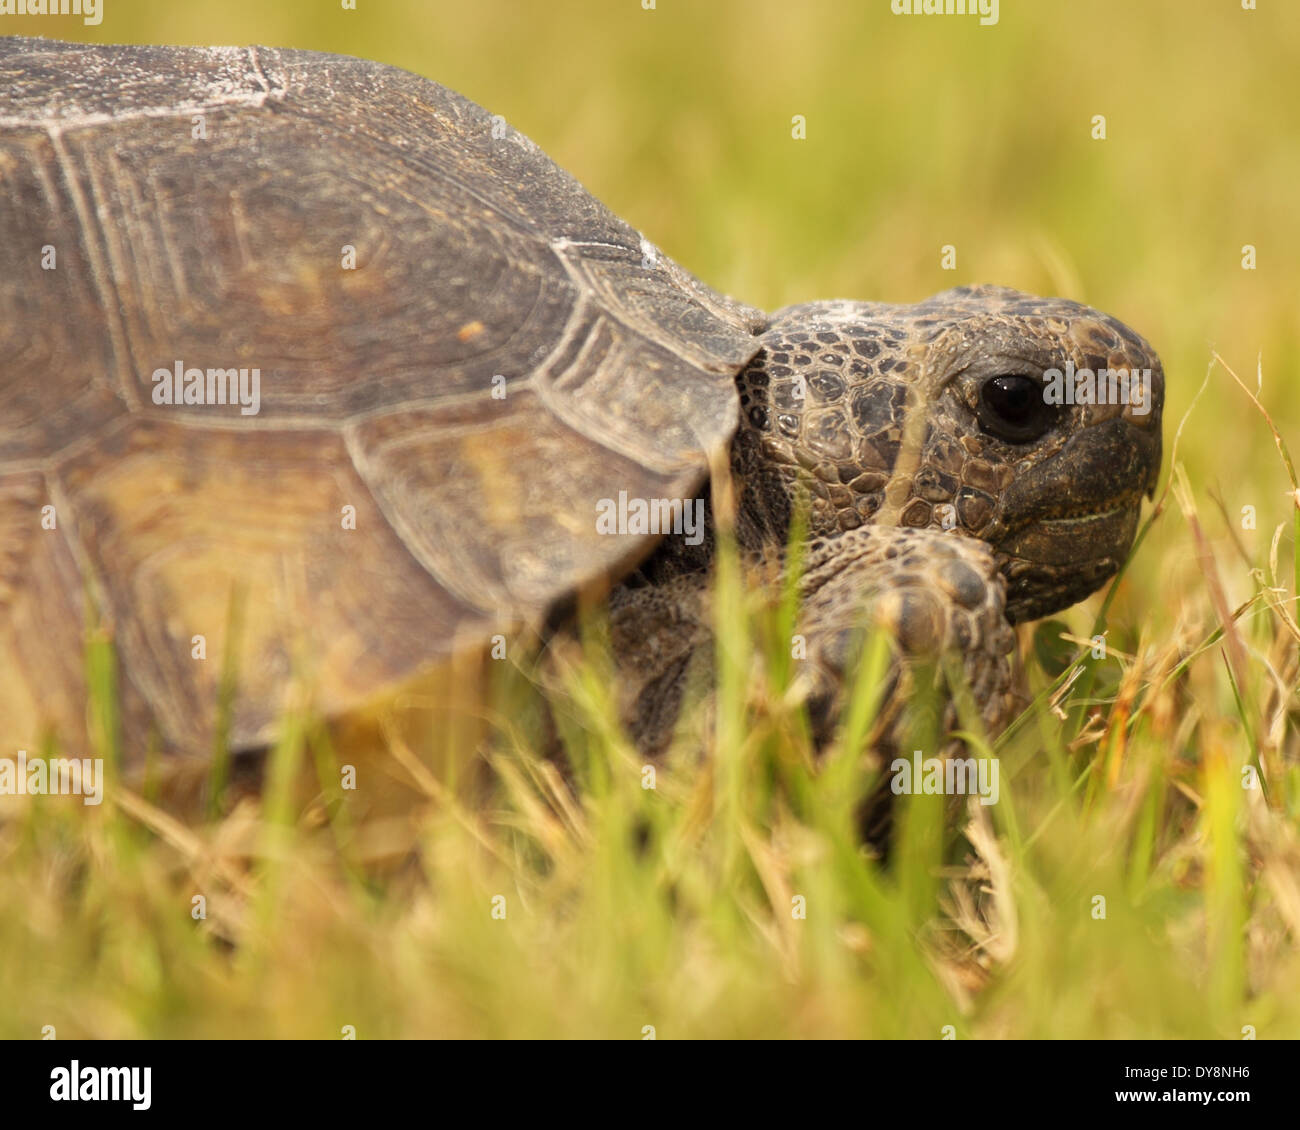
point(938, 594)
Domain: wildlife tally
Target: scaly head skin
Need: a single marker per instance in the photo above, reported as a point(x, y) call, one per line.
point(948, 495)
point(941, 415)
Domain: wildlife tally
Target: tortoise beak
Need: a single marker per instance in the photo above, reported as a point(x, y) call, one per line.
point(1071, 521)
point(1148, 424)
point(1102, 468)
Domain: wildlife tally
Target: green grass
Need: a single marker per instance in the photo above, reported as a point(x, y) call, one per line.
point(732, 898)
point(673, 907)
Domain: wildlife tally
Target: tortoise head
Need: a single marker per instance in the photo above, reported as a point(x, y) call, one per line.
point(1030, 423)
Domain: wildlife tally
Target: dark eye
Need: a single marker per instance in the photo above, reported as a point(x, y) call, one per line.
point(1012, 408)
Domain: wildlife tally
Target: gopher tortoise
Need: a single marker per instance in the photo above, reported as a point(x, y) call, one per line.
point(326, 338)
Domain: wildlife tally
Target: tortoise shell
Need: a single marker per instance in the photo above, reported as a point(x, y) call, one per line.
point(434, 354)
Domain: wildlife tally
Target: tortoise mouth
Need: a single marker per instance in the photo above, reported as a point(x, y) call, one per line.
point(1070, 522)
point(1103, 468)
point(1075, 539)
point(1036, 589)
point(1056, 562)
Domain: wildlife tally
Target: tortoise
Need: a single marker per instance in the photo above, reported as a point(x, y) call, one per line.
point(323, 333)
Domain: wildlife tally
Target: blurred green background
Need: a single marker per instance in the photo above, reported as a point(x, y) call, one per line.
point(922, 131)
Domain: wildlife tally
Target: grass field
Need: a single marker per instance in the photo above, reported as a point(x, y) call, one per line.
point(732, 899)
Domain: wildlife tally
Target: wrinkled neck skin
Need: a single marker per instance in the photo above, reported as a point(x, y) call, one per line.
point(764, 512)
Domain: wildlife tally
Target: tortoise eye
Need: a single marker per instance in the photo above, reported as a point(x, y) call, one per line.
point(1012, 407)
